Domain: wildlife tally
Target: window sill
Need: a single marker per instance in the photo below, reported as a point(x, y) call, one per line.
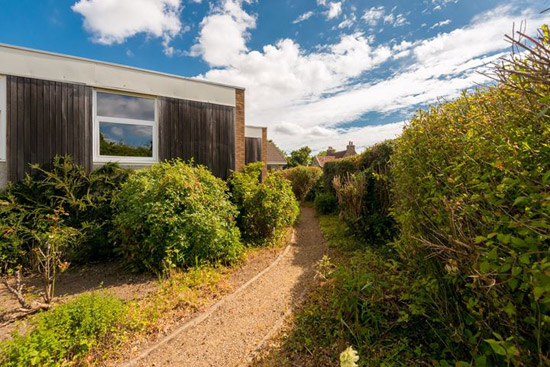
point(125, 161)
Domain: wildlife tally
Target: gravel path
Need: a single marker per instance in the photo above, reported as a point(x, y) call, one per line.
point(228, 334)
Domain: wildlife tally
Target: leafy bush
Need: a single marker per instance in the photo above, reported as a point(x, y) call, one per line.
point(472, 190)
point(264, 207)
point(58, 215)
point(362, 186)
point(340, 167)
point(325, 203)
point(83, 199)
point(302, 179)
point(174, 214)
point(65, 334)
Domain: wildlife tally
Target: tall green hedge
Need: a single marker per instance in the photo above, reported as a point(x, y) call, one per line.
point(472, 197)
point(303, 179)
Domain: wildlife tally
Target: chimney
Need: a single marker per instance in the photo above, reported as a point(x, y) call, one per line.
point(331, 151)
point(350, 149)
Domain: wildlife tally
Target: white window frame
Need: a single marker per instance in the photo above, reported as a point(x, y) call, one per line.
point(3, 119)
point(118, 120)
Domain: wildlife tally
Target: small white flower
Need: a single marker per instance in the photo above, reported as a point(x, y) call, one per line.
point(348, 358)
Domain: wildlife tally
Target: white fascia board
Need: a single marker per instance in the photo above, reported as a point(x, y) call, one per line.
point(28, 63)
point(3, 119)
point(253, 132)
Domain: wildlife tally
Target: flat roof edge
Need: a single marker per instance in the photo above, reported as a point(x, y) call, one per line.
point(78, 58)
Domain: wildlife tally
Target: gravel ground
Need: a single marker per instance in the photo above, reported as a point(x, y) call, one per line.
point(235, 329)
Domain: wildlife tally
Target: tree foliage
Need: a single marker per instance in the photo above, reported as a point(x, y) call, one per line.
point(299, 157)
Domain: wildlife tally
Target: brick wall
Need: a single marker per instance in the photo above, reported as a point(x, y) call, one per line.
point(239, 129)
point(264, 150)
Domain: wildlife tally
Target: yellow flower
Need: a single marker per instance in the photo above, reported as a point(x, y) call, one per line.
point(348, 358)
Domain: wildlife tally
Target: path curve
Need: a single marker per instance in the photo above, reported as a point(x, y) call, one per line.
point(227, 334)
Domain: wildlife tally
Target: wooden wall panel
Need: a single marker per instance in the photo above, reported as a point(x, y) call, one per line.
point(252, 150)
point(47, 118)
point(203, 132)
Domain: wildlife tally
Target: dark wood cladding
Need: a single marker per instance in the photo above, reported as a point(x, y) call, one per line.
point(47, 118)
point(200, 131)
point(252, 150)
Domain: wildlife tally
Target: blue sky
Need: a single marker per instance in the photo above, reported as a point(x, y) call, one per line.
point(317, 72)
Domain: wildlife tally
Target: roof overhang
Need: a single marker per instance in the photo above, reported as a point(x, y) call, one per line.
point(24, 62)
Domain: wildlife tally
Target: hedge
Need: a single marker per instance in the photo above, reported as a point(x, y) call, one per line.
point(303, 179)
point(264, 207)
point(362, 186)
point(472, 197)
point(175, 214)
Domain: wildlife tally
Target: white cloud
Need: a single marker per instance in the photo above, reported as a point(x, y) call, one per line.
point(396, 20)
point(309, 97)
point(223, 34)
point(304, 17)
point(112, 22)
point(334, 11)
point(117, 131)
point(441, 23)
point(373, 15)
point(348, 22)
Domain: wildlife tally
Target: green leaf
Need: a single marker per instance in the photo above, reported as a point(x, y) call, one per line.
point(521, 200)
point(518, 242)
point(538, 292)
point(484, 267)
point(481, 361)
point(504, 238)
point(497, 348)
point(479, 239)
point(504, 268)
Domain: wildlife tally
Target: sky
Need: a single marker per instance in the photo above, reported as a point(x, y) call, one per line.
point(316, 72)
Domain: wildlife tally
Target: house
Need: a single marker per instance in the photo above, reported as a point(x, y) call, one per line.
point(332, 155)
point(256, 145)
point(98, 112)
point(275, 158)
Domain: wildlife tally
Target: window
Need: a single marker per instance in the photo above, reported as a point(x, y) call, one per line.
point(3, 118)
point(124, 128)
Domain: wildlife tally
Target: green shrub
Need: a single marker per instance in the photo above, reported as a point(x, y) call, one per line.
point(302, 179)
point(325, 203)
point(84, 199)
point(64, 335)
point(472, 190)
point(174, 214)
point(264, 207)
point(362, 186)
point(340, 167)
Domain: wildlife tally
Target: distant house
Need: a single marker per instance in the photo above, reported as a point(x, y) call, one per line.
point(332, 155)
point(100, 112)
point(275, 158)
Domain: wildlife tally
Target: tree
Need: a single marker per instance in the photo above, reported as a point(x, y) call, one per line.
point(300, 157)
